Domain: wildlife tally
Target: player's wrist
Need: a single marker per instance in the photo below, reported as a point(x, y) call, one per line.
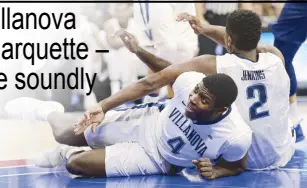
point(138, 50)
point(103, 106)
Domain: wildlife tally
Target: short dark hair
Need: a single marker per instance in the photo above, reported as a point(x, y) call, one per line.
point(244, 27)
point(223, 88)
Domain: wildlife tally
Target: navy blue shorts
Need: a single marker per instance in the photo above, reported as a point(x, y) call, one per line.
point(292, 23)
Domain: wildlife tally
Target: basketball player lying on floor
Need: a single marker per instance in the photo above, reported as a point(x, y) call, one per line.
point(259, 73)
point(198, 124)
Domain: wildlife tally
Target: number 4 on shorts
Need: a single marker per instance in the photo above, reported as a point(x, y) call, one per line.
point(176, 144)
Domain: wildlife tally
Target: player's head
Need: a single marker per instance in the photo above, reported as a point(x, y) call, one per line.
point(211, 97)
point(243, 30)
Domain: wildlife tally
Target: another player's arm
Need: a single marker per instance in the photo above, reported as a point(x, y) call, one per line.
point(202, 27)
point(263, 48)
point(155, 63)
point(205, 64)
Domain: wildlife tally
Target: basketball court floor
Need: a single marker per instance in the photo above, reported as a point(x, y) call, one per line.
point(20, 141)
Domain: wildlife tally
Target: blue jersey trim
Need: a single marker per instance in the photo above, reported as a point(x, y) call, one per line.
point(241, 57)
point(160, 106)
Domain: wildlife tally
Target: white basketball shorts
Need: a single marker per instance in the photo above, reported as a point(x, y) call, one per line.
point(128, 136)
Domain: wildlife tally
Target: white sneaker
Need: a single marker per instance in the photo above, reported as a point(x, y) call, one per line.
point(53, 158)
point(27, 108)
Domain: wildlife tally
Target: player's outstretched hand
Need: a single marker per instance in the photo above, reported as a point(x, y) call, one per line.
point(129, 40)
point(92, 117)
point(205, 168)
point(197, 25)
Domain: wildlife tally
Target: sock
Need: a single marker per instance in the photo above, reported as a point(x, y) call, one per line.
point(294, 114)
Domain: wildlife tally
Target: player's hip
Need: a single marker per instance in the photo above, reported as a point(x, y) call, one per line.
point(135, 124)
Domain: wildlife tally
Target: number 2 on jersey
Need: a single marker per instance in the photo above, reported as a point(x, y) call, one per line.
point(176, 144)
point(251, 91)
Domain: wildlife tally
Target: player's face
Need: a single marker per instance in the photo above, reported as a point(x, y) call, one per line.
point(201, 102)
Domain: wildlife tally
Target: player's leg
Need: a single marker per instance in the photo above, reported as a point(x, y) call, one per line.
point(290, 32)
point(31, 109)
point(118, 126)
point(123, 159)
point(87, 163)
point(63, 126)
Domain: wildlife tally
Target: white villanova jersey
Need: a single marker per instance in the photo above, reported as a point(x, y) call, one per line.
point(263, 102)
point(181, 140)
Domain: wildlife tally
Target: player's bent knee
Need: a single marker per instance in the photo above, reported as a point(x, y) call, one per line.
point(89, 163)
point(73, 168)
point(76, 165)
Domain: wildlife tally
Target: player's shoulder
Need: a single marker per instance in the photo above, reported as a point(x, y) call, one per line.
point(237, 122)
point(189, 75)
point(226, 60)
point(270, 50)
point(187, 79)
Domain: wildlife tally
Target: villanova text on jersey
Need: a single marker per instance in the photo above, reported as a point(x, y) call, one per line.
point(252, 75)
point(183, 124)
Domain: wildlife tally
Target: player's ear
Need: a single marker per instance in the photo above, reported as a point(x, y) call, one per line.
point(229, 41)
point(221, 110)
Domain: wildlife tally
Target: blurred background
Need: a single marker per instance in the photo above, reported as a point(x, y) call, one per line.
point(97, 23)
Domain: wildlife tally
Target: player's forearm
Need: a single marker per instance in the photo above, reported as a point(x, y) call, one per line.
point(133, 92)
point(215, 33)
point(156, 64)
point(221, 171)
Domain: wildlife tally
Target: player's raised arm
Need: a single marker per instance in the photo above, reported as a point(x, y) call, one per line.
point(154, 63)
point(214, 32)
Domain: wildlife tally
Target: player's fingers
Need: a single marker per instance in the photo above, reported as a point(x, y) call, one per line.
point(119, 33)
point(123, 35)
point(80, 121)
point(78, 130)
point(205, 169)
point(94, 126)
point(204, 164)
point(195, 162)
point(87, 115)
point(181, 16)
point(207, 175)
